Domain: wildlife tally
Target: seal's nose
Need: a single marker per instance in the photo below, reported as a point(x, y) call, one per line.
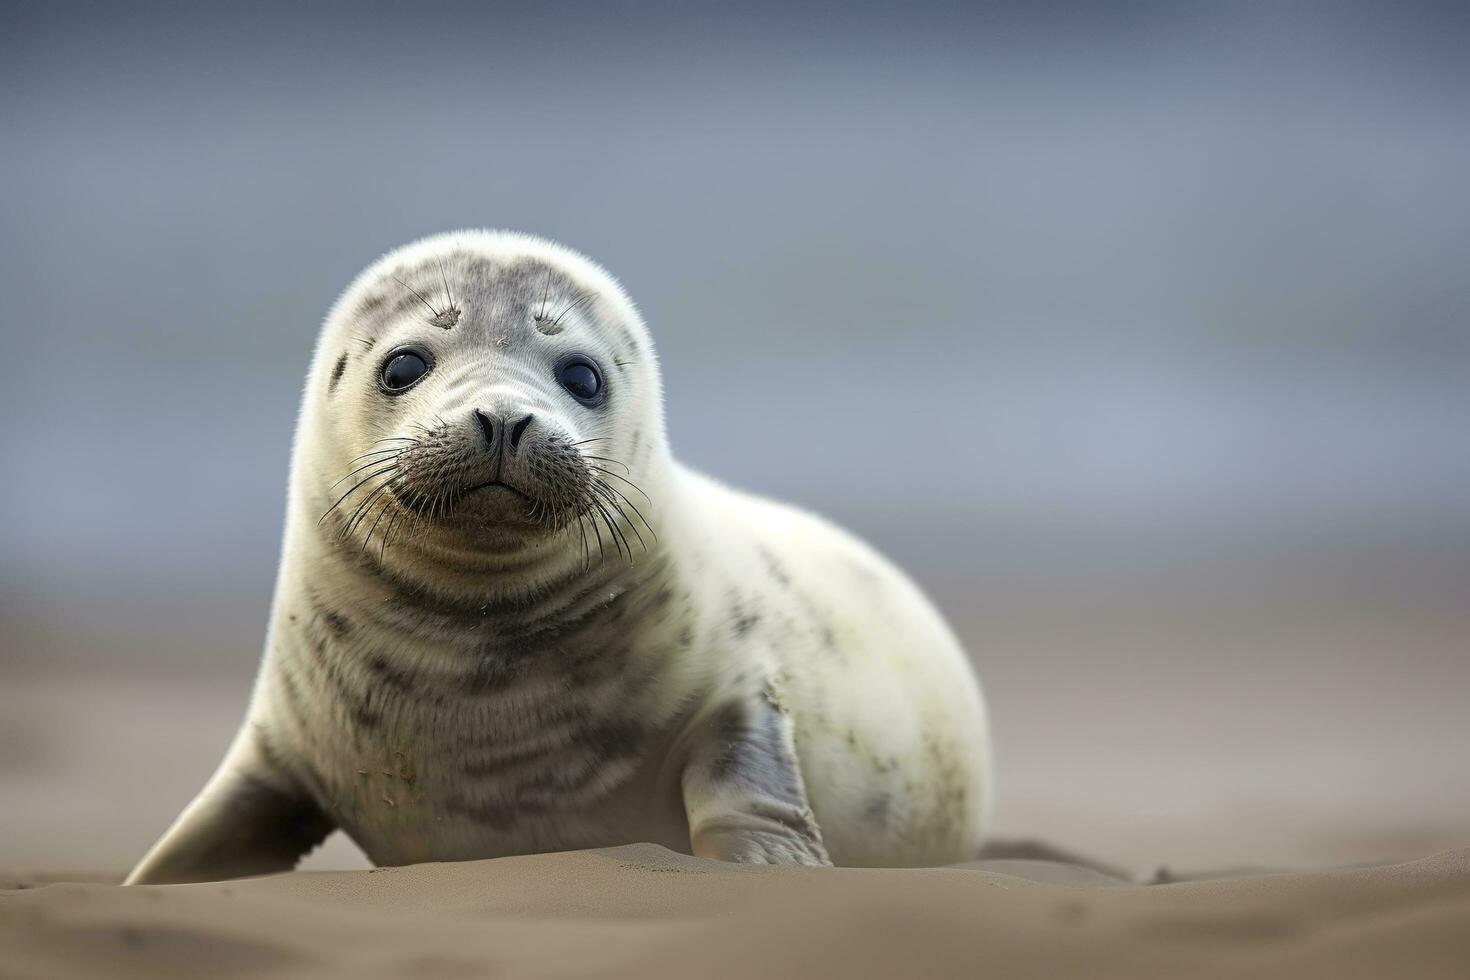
point(518, 430)
point(494, 427)
point(488, 425)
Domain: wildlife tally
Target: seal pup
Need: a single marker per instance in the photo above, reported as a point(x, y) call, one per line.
point(508, 621)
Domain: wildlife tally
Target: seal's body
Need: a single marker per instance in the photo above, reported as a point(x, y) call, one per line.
point(508, 621)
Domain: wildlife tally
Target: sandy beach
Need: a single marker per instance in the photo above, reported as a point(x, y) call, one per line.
point(1309, 780)
point(642, 911)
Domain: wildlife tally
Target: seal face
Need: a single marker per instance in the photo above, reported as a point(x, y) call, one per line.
point(507, 620)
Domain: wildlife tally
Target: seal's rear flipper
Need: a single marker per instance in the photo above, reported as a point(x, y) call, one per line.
point(1026, 849)
point(248, 820)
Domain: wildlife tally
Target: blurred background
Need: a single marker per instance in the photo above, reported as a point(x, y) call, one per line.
point(1139, 333)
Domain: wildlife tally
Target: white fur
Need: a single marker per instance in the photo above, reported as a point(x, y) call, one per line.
point(861, 679)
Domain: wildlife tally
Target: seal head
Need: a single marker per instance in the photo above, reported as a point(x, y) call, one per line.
point(481, 395)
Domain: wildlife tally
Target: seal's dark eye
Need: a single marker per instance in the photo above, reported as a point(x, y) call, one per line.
point(579, 375)
point(404, 368)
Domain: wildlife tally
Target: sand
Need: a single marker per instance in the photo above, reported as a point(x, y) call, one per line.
point(1303, 738)
point(642, 911)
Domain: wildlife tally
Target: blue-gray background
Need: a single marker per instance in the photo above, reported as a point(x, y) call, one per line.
point(1136, 332)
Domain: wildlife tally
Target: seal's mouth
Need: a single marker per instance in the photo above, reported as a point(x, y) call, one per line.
point(498, 487)
point(442, 480)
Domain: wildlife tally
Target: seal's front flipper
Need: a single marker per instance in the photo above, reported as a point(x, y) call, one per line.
point(249, 819)
point(743, 791)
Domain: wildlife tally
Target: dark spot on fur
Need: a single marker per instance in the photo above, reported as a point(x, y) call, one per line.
point(370, 305)
point(366, 715)
point(295, 701)
point(516, 780)
point(495, 815)
point(742, 621)
point(876, 812)
point(497, 760)
point(327, 665)
point(337, 370)
point(434, 612)
point(774, 566)
point(337, 624)
point(615, 739)
point(588, 667)
point(493, 671)
point(390, 675)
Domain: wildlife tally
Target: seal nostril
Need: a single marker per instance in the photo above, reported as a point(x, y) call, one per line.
point(518, 431)
point(487, 426)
